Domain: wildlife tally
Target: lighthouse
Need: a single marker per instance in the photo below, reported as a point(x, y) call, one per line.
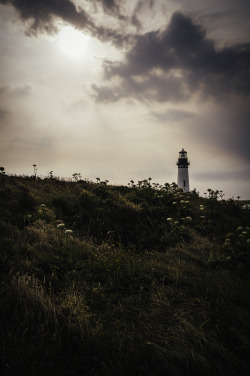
point(183, 163)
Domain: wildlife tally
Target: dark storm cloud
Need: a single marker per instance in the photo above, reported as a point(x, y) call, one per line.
point(119, 8)
point(151, 88)
point(183, 52)
point(44, 13)
point(104, 94)
point(110, 6)
point(140, 7)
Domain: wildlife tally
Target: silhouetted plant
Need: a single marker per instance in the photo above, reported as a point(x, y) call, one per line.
point(35, 170)
point(77, 176)
point(221, 194)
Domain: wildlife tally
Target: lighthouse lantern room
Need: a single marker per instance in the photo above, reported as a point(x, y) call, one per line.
point(183, 163)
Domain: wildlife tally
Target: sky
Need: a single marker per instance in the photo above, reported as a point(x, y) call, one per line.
point(114, 89)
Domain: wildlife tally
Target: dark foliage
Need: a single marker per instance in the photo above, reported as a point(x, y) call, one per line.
point(110, 280)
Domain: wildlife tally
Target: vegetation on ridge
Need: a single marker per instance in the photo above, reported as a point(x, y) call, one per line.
point(113, 280)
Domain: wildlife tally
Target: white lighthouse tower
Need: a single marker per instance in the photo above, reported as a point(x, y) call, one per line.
point(183, 163)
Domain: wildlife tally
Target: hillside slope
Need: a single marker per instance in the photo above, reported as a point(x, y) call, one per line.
point(114, 280)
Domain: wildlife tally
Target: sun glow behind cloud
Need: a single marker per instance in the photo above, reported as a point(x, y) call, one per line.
point(72, 42)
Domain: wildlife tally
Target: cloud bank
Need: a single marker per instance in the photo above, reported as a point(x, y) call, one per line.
point(174, 64)
point(43, 15)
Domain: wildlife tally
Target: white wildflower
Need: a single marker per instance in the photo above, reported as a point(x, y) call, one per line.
point(68, 232)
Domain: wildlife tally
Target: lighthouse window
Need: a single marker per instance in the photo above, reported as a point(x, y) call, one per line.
point(184, 183)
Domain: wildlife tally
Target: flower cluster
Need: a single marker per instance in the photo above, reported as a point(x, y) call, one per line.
point(235, 249)
point(240, 240)
point(69, 232)
point(44, 213)
point(184, 219)
point(60, 226)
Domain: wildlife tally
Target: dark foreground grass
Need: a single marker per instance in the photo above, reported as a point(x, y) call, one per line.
point(150, 281)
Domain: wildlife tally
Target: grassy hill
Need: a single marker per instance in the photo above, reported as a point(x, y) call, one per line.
point(106, 280)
